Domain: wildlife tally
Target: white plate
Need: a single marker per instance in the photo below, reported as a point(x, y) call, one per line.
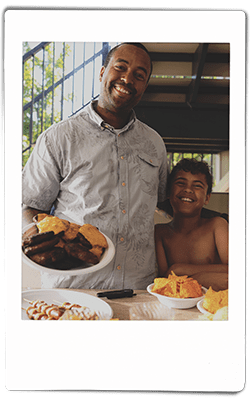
point(61, 295)
point(105, 260)
point(200, 307)
point(173, 302)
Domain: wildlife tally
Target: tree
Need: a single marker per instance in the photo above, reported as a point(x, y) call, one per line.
point(38, 78)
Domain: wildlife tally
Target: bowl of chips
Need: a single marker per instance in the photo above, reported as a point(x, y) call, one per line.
point(177, 291)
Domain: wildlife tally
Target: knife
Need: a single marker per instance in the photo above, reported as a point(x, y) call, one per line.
point(115, 294)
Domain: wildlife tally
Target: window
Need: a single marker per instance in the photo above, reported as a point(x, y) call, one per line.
point(59, 79)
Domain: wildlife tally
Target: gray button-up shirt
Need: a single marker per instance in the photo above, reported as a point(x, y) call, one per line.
point(110, 178)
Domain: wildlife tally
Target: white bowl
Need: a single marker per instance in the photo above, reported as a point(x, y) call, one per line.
point(106, 257)
point(173, 302)
point(200, 307)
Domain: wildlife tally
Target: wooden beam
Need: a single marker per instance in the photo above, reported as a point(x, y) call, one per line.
point(198, 65)
point(189, 57)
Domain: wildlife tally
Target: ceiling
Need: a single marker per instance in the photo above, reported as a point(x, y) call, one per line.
point(189, 74)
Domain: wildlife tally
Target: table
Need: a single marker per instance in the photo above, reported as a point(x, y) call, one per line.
point(121, 307)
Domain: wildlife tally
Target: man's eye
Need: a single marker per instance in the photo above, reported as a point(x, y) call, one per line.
point(140, 77)
point(120, 67)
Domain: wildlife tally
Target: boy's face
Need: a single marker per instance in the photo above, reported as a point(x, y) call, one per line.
point(189, 193)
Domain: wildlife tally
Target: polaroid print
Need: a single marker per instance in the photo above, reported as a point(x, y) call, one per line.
point(196, 101)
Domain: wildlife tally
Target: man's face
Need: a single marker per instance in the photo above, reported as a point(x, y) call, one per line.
point(189, 193)
point(125, 79)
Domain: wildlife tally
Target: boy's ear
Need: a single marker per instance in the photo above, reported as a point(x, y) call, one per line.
point(207, 199)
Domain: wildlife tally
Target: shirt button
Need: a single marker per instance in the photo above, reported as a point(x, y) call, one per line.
point(122, 239)
point(150, 160)
point(122, 157)
point(123, 184)
point(124, 211)
point(118, 267)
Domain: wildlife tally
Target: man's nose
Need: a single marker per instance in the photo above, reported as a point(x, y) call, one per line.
point(128, 77)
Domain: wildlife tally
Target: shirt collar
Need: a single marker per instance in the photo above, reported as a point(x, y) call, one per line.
point(99, 121)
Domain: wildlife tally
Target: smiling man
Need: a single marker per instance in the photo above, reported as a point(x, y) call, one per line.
point(189, 244)
point(124, 80)
point(105, 167)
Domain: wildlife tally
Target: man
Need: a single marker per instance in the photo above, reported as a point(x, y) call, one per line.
point(105, 167)
point(190, 244)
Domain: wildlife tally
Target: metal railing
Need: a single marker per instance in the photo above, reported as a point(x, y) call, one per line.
point(59, 79)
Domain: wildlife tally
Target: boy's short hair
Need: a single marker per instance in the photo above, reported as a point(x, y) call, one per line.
point(193, 166)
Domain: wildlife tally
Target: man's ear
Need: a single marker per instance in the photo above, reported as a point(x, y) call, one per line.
point(101, 73)
point(207, 199)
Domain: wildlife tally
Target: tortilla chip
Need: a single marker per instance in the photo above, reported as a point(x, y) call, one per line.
point(213, 300)
point(177, 286)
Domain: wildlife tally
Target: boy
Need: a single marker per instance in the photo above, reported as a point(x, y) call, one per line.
point(189, 244)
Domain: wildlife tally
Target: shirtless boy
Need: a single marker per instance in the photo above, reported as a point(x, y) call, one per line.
point(189, 244)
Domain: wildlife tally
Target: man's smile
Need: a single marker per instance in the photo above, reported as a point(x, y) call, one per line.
point(122, 90)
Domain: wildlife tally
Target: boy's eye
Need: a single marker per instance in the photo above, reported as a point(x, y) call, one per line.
point(179, 183)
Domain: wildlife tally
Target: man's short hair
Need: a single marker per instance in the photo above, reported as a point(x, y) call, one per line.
point(193, 166)
point(139, 45)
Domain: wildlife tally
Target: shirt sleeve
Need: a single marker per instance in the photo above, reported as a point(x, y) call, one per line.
point(41, 176)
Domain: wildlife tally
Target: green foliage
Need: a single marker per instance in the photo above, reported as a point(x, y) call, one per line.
point(43, 79)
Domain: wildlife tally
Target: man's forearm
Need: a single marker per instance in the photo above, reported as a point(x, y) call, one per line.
point(28, 213)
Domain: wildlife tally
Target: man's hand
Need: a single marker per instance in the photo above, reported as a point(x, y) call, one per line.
point(28, 214)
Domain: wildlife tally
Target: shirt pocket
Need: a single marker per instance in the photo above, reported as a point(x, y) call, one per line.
point(149, 173)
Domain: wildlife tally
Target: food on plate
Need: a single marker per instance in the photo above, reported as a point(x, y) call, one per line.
point(97, 251)
point(39, 217)
point(84, 241)
point(61, 244)
point(49, 258)
point(37, 238)
point(213, 300)
point(93, 235)
point(77, 250)
point(40, 310)
point(220, 315)
point(55, 224)
point(79, 314)
point(71, 232)
point(41, 247)
point(177, 286)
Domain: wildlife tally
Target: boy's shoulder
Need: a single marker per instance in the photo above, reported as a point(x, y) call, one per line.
point(161, 229)
point(215, 223)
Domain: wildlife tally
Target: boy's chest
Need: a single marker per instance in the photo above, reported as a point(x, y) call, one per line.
point(197, 248)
